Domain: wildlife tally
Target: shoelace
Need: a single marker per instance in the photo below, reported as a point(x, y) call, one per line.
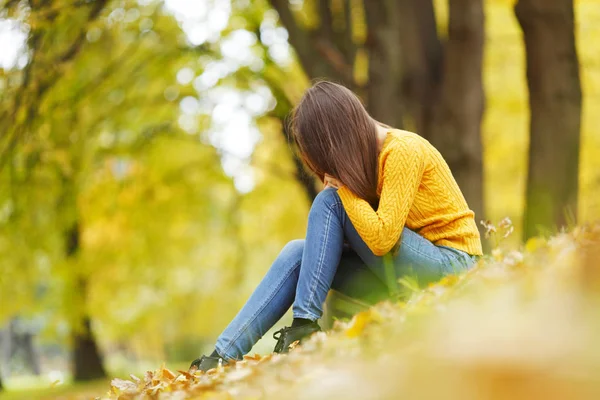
point(280, 337)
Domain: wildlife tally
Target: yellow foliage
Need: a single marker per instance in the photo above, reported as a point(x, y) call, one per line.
point(505, 127)
point(534, 244)
point(358, 323)
point(535, 325)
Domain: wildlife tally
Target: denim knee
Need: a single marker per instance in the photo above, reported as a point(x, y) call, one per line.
point(292, 253)
point(327, 198)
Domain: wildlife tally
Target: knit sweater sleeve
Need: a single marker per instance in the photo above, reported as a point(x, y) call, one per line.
point(403, 168)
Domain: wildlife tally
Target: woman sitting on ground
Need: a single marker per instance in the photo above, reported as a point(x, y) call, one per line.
point(388, 192)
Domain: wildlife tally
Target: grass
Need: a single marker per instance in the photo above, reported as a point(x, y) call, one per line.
point(71, 391)
point(41, 388)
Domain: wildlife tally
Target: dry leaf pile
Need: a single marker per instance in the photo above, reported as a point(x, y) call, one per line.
point(522, 324)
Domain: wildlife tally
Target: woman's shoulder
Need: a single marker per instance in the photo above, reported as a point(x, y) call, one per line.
point(406, 142)
point(405, 135)
point(406, 139)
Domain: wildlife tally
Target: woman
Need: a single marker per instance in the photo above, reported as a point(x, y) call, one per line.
point(387, 192)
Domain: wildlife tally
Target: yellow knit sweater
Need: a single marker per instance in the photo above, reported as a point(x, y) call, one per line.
point(416, 190)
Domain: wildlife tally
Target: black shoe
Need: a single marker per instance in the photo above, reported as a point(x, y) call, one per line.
point(287, 336)
point(205, 363)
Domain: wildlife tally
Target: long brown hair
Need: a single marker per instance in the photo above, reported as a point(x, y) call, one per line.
point(336, 136)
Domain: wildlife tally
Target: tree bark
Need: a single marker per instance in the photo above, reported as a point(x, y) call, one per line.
point(318, 49)
point(30, 355)
point(5, 340)
point(423, 61)
point(19, 343)
point(454, 127)
point(384, 91)
point(86, 358)
point(555, 102)
point(87, 362)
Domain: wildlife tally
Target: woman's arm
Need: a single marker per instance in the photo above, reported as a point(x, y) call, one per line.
point(403, 168)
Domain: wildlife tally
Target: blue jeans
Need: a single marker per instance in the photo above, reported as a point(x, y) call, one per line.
point(306, 270)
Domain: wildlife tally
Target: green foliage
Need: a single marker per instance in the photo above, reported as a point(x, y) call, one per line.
point(165, 238)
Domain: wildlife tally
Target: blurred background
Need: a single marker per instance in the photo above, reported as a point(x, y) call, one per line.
point(147, 181)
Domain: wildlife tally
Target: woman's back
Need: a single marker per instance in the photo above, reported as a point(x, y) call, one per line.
point(421, 194)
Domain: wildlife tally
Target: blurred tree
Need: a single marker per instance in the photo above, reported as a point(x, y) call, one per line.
point(101, 118)
point(116, 221)
point(50, 49)
point(16, 346)
point(55, 39)
point(555, 104)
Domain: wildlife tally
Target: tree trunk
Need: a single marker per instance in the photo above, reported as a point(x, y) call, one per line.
point(87, 362)
point(4, 354)
point(20, 344)
point(30, 356)
point(422, 63)
point(384, 91)
point(319, 50)
point(455, 124)
point(86, 359)
point(555, 102)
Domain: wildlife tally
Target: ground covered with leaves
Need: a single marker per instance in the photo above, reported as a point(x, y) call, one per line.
point(522, 324)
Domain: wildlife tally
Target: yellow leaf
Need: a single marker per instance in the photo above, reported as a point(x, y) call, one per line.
point(497, 254)
point(358, 323)
point(534, 244)
point(166, 373)
point(123, 386)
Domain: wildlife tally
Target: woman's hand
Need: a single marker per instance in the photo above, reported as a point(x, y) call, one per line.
point(330, 181)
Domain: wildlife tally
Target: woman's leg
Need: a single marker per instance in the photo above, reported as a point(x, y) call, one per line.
point(269, 302)
point(416, 257)
point(321, 256)
point(302, 274)
point(355, 279)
